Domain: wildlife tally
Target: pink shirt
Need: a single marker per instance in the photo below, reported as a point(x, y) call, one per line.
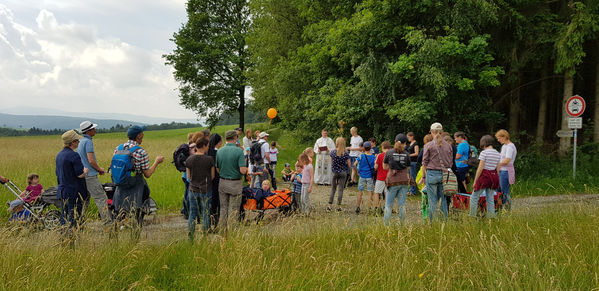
point(35, 192)
point(306, 174)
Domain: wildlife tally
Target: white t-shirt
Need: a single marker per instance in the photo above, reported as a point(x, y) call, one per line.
point(273, 154)
point(508, 151)
point(355, 142)
point(246, 144)
point(264, 148)
point(491, 158)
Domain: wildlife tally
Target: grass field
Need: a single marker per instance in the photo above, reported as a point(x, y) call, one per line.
point(23, 155)
point(548, 248)
point(552, 248)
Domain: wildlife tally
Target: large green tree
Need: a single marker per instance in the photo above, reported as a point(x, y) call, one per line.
point(211, 58)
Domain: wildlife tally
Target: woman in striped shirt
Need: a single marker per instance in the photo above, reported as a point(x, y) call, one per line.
point(486, 179)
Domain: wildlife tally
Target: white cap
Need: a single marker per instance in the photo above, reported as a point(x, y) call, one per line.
point(436, 126)
point(263, 134)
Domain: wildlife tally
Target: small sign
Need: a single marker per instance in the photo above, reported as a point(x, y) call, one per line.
point(565, 133)
point(575, 123)
point(575, 106)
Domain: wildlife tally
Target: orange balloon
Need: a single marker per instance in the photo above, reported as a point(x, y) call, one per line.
point(272, 113)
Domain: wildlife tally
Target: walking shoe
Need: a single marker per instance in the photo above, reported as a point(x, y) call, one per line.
point(339, 209)
point(357, 210)
point(329, 208)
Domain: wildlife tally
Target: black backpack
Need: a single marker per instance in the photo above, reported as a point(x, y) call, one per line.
point(472, 157)
point(180, 156)
point(256, 153)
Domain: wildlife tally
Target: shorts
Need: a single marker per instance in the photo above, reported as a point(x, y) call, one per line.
point(365, 182)
point(380, 187)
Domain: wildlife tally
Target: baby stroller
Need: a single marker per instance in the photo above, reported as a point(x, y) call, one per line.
point(39, 211)
point(149, 206)
point(281, 200)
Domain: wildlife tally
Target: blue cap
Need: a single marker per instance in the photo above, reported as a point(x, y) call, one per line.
point(133, 131)
point(367, 145)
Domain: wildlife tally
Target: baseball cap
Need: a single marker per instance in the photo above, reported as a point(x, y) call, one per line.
point(135, 130)
point(86, 125)
point(367, 145)
point(263, 134)
point(400, 137)
point(230, 134)
point(436, 126)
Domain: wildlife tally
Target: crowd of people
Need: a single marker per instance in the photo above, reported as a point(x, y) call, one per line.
point(214, 171)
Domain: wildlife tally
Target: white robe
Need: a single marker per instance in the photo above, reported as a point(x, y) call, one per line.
point(322, 173)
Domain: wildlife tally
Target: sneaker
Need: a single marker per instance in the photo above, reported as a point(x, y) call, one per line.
point(339, 209)
point(357, 210)
point(329, 208)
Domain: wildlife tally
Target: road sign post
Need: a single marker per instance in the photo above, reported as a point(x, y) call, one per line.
point(575, 107)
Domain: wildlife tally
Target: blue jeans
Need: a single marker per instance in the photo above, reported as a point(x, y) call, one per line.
point(198, 203)
point(413, 173)
point(434, 188)
point(70, 210)
point(504, 182)
point(400, 192)
point(490, 202)
point(185, 209)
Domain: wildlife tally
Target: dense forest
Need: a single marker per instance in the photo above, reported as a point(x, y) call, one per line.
point(395, 65)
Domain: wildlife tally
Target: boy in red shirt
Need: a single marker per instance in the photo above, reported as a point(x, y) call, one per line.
point(380, 189)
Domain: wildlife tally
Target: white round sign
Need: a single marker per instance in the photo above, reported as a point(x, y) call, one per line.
point(575, 106)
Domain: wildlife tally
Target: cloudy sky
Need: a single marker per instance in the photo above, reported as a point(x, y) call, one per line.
point(90, 55)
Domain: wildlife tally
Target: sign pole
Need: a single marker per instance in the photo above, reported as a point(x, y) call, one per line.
point(574, 160)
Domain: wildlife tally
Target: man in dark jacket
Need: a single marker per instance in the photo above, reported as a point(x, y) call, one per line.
point(70, 174)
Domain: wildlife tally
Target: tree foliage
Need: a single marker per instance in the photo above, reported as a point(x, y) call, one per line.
point(210, 59)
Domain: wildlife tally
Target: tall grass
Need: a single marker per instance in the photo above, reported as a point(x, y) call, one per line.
point(545, 249)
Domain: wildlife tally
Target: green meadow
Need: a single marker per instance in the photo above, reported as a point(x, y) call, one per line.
point(552, 247)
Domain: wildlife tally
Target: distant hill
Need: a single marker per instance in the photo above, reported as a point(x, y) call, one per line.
point(56, 122)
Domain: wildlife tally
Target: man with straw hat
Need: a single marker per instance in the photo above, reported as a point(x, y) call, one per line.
point(70, 174)
point(88, 158)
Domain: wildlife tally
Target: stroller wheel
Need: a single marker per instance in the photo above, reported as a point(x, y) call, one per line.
point(52, 219)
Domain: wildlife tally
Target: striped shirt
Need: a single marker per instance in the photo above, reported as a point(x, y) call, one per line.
point(141, 160)
point(491, 158)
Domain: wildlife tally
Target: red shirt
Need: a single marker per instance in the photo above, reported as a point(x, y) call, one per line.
point(381, 174)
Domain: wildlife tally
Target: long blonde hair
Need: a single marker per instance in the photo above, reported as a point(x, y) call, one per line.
point(340, 145)
point(438, 137)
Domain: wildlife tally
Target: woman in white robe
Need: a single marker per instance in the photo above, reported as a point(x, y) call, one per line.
point(322, 149)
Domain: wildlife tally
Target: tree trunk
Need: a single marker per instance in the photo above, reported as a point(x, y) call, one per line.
point(542, 120)
point(596, 117)
point(241, 108)
point(515, 109)
point(564, 142)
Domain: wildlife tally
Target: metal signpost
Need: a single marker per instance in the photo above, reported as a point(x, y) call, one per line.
point(575, 107)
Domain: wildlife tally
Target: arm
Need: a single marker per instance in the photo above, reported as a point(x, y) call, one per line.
point(212, 172)
point(94, 163)
point(311, 180)
point(416, 151)
point(148, 173)
point(3, 179)
point(85, 171)
point(376, 165)
point(503, 162)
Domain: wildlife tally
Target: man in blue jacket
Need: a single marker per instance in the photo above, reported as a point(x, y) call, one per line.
point(70, 174)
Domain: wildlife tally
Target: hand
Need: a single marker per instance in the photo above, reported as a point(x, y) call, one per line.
point(101, 171)
point(85, 171)
point(3, 179)
point(159, 159)
point(310, 189)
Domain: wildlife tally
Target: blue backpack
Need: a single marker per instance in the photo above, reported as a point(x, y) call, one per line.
point(121, 165)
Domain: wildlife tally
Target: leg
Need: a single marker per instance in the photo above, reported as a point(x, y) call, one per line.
point(490, 203)
point(334, 184)
point(474, 202)
point(304, 198)
point(413, 174)
point(185, 209)
point(96, 191)
point(193, 203)
point(206, 199)
point(461, 178)
point(391, 193)
point(235, 204)
point(433, 179)
point(504, 182)
point(342, 179)
point(401, 202)
point(444, 202)
point(224, 210)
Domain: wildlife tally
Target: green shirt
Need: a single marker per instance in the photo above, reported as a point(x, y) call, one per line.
point(228, 161)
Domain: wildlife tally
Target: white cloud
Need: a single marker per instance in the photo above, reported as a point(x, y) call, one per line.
point(71, 66)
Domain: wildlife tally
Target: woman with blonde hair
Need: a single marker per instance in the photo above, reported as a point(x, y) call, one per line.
point(340, 161)
point(507, 174)
point(436, 159)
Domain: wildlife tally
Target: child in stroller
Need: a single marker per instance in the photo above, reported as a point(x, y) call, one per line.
point(30, 195)
point(38, 210)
